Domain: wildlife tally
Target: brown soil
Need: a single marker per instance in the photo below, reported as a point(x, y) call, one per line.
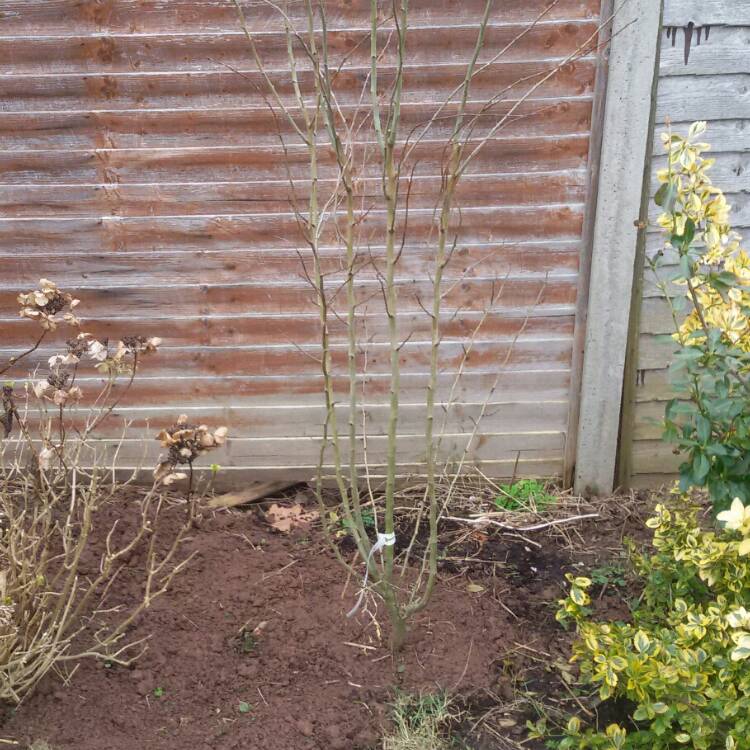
point(313, 678)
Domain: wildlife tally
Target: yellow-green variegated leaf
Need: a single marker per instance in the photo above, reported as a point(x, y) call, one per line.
point(578, 596)
point(641, 642)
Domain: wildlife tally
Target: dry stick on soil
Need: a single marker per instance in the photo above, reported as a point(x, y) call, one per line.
point(487, 520)
point(461, 147)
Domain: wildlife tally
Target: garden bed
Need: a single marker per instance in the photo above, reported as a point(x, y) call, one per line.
point(252, 646)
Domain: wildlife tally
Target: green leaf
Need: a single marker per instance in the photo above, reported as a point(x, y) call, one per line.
point(244, 707)
point(661, 194)
point(666, 196)
point(686, 268)
point(703, 428)
point(689, 233)
point(701, 466)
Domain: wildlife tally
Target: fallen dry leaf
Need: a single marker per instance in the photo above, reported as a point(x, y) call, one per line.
point(284, 518)
point(474, 588)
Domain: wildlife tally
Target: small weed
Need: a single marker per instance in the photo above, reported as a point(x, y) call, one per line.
point(526, 494)
point(610, 574)
point(159, 692)
point(368, 519)
point(421, 722)
point(244, 707)
point(248, 642)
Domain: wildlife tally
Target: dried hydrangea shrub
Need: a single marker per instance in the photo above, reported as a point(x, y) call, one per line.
point(54, 480)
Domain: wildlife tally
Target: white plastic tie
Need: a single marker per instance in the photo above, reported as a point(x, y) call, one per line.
point(384, 540)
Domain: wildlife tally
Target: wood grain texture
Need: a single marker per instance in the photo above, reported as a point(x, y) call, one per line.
point(70, 17)
point(217, 163)
point(702, 12)
point(186, 52)
point(247, 125)
point(209, 89)
point(274, 196)
point(727, 136)
point(723, 97)
point(140, 169)
point(283, 391)
point(724, 51)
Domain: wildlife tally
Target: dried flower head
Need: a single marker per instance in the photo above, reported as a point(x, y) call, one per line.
point(44, 305)
point(185, 443)
point(128, 347)
point(80, 346)
point(57, 388)
point(138, 344)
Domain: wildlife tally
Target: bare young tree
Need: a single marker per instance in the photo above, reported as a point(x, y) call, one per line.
point(370, 138)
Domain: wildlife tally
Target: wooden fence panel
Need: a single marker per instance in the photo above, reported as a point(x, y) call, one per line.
point(704, 75)
point(141, 168)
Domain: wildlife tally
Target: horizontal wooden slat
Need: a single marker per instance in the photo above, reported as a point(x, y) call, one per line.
point(255, 419)
point(724, 98)
point(275, 196)
point(157, 16)
point(725, 51)
point(656, 316)
point(654, 385)
point(221, 51)
point(649, 420)
point(654, 352)
point(512, 260)
point(209, 232)
point(724, 136)
point(701, 12)
point(739, 203)
point(427, 83)
point(249, 125)
point(231, 330)
point(232, 477)
point(220, 163)
point(288, 359)
point(155, 389)
point(729, 173)
point(654, 457)
point(532, 295)
point(304, 452)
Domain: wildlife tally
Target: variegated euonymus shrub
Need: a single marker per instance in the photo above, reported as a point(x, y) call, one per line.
point(710, 419)
point(684, 659)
